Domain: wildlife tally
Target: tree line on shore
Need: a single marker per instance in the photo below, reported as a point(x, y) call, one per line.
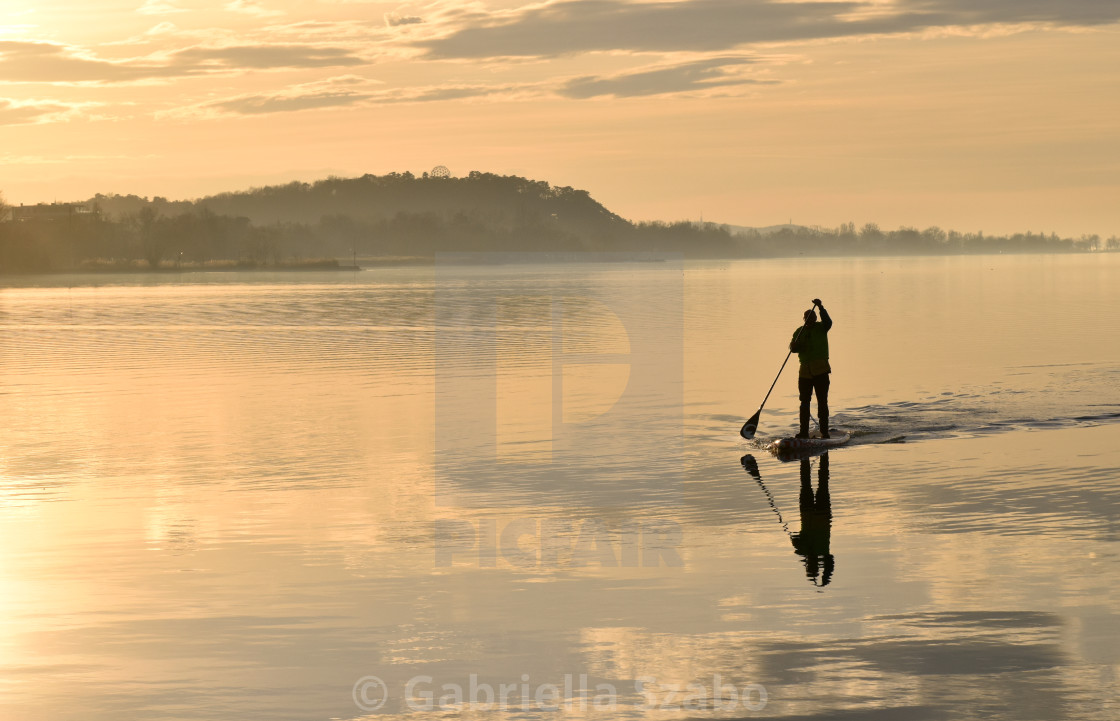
point(414, 217)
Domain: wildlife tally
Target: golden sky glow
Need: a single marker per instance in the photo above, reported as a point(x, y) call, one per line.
point(993, 115)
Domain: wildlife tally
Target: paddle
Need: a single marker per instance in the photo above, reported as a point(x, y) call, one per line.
point(751, 465)
point(748, 429)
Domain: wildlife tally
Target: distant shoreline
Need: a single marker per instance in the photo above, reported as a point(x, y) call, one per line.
point(399, 219)
point(513, 258)
point(142, 268)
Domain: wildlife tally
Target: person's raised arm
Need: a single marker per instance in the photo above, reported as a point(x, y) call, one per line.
point(825, 319)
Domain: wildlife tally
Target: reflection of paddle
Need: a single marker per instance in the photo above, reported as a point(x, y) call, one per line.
point(748, 429)
point(751, 465)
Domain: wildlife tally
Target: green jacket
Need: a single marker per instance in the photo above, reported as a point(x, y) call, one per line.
point(811, 344)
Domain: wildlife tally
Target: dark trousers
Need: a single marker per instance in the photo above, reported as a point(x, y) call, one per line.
point(805, 388)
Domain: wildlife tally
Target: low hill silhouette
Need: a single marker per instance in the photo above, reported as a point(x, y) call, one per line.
point(408, 217)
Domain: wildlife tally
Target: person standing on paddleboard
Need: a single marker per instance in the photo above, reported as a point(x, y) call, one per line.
point(810, 342)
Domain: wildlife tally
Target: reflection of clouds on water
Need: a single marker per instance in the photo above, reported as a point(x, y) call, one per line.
point(904, 666)
point(995, 493)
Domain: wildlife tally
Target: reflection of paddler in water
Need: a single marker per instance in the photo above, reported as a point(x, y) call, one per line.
point(813, 541)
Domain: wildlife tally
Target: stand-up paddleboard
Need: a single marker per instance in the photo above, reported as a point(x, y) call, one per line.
point(838, 438)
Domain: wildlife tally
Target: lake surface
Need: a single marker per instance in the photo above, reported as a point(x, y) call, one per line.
point(244, 496)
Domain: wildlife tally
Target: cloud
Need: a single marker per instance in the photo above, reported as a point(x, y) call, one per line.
point(354, 91)
point(49, 63)
point(430, 95)
point(264, 104)
point(333, 92)
point(982, 12)
point(571, 26)
point(36, 62)
point(328, 30)
point(258, 57)
point(14, 112)
point(698, 75)
point(344, 91)
point(164, 28)
point(251, 7)
point(159, 7)
point(393, 20)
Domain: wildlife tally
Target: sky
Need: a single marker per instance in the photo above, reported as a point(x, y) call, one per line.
point(992, 115)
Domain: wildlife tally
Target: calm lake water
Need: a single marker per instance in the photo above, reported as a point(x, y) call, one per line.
point(232, 496)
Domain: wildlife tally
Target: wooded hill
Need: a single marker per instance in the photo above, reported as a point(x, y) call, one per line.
point(402, 215)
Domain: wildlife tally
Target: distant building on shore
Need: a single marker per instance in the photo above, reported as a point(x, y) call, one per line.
point(53, 212)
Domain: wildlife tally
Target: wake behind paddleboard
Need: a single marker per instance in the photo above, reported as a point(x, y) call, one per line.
point(807, 444)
